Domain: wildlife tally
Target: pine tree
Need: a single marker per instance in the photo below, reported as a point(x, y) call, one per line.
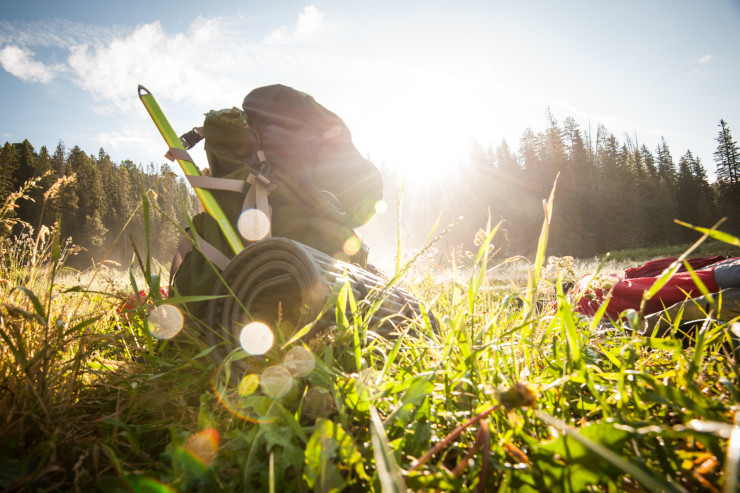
point(73, 205)
point(534, 188)
point(508, 196)
point(727, 156)
point(583, 177)
point(8, 167)
point(666, 168)
point(42, 166)
point(565, 222)
point(648, 210)
point(615, 194)
point(667, 200)
point(695, 196)
point(109, 187)
point(59, 160)
point(26, 159)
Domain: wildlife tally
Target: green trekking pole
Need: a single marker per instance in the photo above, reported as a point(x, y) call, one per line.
point(189, 168)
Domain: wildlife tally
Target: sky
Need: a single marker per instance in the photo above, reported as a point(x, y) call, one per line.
point(416, 81)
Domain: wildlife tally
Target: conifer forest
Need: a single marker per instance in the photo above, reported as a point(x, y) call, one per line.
point(611, 194)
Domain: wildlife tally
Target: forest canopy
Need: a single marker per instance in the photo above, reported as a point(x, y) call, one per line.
point(98, 206)
point(610, 195)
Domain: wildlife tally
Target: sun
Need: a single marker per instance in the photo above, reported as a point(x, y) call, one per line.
point(412, 146)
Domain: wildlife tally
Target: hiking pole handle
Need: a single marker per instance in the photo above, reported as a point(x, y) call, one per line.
point(206, 197)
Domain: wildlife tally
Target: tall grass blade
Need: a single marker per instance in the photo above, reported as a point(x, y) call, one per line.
point(389, 474)
point(713, 233)
point(539, 260)
point(479, 266)
point(732, 469)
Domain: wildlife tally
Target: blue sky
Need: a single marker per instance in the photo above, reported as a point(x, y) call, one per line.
point(416, 81)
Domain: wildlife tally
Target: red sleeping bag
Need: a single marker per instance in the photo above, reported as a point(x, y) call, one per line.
point(715, 272)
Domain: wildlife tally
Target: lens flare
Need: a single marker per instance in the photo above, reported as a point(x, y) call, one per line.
point(381, 206)
point(256, 338)
point(248, 384)
point(366, 383)
point(253, 224)
point(352, 245)
point(318, 403)
point(224, 395)
point(299, 362)
point(203, 445)
point(276, 381)
point(165, 322)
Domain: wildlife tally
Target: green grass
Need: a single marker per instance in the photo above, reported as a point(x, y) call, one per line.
point(502, 396)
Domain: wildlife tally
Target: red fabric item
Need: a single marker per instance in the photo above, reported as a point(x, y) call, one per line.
point(134, 301)
point(655, 268)
point(628, 292)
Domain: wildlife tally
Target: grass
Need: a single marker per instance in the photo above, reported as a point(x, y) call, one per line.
point(500, 396)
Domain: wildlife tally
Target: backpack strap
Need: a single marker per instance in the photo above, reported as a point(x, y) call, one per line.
point(257, 195)
point(177, 153)
point(261, 183)
point(212, 183)
point(210, 252)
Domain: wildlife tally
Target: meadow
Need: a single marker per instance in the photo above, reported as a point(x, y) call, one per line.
point(501, 386)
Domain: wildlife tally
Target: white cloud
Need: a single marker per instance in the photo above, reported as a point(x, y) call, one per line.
point(126, 138)
point(194, 66)
point(20, 63)
point(208, 65)
point(310, 22)
point(56, 33)
point(705, 59)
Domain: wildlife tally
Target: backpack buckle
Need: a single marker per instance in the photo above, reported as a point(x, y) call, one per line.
point(264, 172)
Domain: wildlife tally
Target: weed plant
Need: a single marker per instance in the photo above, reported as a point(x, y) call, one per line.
point(491, 390)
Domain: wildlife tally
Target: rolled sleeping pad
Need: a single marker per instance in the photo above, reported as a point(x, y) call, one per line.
point(286, 284)
point(694, 311)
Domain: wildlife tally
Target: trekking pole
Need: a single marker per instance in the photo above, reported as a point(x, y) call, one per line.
point(188, 167)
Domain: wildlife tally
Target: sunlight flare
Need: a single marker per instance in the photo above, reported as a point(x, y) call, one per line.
point(299, 362)
point(276, 381)
point(165, 322)
point(256, 338)
point(248, 384)
point(253, 225)
point(203, 446)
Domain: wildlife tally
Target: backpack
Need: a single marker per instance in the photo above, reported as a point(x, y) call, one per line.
point(291, 158)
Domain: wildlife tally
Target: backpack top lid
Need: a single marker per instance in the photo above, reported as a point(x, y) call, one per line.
point(311, 149)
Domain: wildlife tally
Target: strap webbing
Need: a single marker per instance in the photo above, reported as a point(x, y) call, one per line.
point(257, 196)
point(181, 154)
point(210, 252)
point(182, 249)
point(212, 183)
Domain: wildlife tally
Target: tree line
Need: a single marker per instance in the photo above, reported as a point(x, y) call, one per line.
point(610, 194)
point(99, 202)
